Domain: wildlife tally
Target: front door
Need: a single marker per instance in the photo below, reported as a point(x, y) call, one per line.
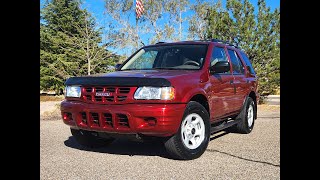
point(222, 89)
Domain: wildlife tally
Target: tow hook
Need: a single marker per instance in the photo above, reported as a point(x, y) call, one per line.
point(138, 137)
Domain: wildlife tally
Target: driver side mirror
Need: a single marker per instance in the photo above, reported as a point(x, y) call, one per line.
point(220, 67)
point(117, 67)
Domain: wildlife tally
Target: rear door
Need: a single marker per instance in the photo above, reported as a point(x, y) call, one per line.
point(221, 89)
point(240, 79)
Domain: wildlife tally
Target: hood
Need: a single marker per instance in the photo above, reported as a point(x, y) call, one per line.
point(148, 73)
point(159, 78)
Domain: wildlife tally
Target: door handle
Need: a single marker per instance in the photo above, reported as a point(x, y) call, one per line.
point(234, 87)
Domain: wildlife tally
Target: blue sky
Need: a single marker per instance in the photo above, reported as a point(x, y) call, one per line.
point(96, 8)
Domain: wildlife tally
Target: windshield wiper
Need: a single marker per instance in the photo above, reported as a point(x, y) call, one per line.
point(170, 68)
point(134, 69)
point(166, 68)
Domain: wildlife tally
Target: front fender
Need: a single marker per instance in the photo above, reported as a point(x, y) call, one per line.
point(186, 98)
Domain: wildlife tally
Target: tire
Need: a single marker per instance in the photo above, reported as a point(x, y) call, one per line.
point(193, 135)
point(246, 117)
point(88, 139)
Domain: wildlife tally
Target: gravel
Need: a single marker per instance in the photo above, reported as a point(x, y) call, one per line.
point(228, 156)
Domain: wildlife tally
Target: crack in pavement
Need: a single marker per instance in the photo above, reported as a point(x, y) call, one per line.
point(268, 117)
point(262, 162)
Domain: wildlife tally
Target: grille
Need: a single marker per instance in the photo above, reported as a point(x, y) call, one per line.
point(108, 94)
point(84, 117)
point(98, 98)
point(122, 98)
point(89, 89)
point(108, 119)
point(88, 98)
point(95, 118)
point(122, 120)
point(99, 89)
point(110, 89)
point(110, 98)
point(101, 120)
point(124, 90)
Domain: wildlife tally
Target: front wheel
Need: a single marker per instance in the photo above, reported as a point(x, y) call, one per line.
point(193, 136)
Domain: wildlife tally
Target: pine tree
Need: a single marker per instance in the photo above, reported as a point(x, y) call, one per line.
point(258, 35)
point(69, 44)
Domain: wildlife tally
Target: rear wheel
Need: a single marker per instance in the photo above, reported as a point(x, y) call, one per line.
point(193, 136)
point(90, 139)
point(246, 117)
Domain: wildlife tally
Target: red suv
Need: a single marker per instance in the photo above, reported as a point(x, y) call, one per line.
point(181, 92)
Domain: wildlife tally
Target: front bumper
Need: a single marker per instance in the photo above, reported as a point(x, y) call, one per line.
point(147, 119)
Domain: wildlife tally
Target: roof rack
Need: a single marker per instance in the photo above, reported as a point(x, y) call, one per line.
point(225, 42)
point(202, 40)
point(160, 42)
point(219, 40)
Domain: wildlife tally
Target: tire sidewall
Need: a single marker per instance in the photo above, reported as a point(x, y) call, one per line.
point(250, 102)
point(197, 108)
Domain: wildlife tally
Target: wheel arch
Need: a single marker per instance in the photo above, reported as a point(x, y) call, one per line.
point(202, 99)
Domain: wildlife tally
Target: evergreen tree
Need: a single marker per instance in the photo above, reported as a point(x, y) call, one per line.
point(69, 44)
point(258, 35)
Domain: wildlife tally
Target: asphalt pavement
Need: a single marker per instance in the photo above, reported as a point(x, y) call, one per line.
point(228, 156)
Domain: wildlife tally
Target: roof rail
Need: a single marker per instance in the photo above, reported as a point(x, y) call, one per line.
point(219, 40)
point(225, 42)
point(202, 40)
point(160, 42)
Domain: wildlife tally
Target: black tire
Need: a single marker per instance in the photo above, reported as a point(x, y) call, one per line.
point(174, 145)
point(88, 139)
point(243, 125)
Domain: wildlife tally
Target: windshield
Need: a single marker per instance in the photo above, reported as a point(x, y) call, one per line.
point(168, 57)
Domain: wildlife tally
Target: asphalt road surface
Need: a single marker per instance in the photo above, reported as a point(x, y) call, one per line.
point(228, 156)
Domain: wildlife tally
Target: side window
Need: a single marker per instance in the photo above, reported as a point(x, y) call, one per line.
point(236, 62)
point(247, 61)
point(218, 54)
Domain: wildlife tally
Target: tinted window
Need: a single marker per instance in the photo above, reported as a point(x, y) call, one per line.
point(247, 61)
point(236, 62)
point(218, 54)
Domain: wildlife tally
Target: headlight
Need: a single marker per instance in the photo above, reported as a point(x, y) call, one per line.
point(73, 91)
point(161, 93)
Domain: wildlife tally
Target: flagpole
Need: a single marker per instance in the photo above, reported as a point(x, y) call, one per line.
point(137, 32)
point(136, 26)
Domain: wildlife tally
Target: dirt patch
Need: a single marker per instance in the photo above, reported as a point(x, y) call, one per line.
point(266, 107)
point(54, 114)
point(51, 98)
point(50, 110)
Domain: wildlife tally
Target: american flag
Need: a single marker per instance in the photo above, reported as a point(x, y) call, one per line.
point(139, 8)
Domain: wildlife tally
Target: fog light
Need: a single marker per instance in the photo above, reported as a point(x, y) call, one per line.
point(151, 121)
point(67, 116)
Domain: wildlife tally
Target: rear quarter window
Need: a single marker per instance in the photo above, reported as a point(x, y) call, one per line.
point(247, 61)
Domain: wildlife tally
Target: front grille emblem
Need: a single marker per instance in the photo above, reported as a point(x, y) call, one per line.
point(103, 94)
